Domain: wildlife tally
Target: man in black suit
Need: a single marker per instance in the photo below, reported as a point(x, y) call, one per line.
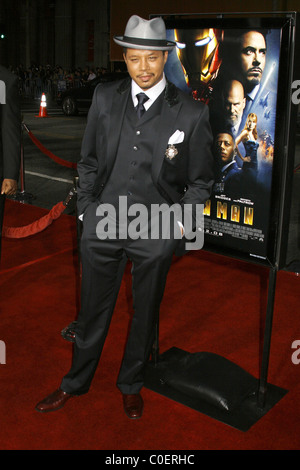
point(228, 174)
point(10, 137)
point(133, 161)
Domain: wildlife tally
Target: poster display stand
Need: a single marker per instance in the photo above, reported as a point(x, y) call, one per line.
point(247, 217)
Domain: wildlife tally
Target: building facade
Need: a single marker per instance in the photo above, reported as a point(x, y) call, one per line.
point(68, 33)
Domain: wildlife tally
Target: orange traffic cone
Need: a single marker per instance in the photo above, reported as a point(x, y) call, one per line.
point(43, 107)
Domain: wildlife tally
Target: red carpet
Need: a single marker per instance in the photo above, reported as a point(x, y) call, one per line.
point(212, 303)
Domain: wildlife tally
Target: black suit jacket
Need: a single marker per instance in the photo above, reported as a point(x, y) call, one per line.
point(10, 127)
point(187, 178)
point(10, 132)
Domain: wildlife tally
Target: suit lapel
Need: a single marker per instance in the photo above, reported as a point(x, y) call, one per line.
point(170, 109)
point(169, 113)
point(118, 108)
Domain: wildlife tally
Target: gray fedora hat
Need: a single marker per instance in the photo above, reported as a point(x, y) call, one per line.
point(145, 34)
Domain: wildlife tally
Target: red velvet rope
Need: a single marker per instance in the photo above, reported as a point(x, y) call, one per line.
point(50, 154)
point(36, 226)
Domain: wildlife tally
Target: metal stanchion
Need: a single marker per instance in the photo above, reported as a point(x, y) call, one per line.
point(22, 195)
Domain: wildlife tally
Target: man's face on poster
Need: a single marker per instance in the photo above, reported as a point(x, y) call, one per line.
point(225, 147)
point(252, 57)
point(234, 102)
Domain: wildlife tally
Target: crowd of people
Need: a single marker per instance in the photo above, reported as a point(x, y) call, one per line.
point(52, 80)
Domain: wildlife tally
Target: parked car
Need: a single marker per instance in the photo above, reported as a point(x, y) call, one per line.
point(74, 100)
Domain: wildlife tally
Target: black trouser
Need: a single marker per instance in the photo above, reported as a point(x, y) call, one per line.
point(102, 266)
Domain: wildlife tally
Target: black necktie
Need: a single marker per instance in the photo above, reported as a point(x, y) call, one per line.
point(248, 105)
point(142, 98)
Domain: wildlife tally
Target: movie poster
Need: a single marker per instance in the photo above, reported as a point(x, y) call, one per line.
point(235, 72)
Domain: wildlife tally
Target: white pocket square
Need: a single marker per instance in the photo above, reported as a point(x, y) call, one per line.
point(176, 138)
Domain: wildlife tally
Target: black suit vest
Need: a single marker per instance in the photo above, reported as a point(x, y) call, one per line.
point(131, 173)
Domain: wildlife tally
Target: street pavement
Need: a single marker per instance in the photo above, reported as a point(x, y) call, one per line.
point(44, 182)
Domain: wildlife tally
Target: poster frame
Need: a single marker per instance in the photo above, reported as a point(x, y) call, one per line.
point(285, 125)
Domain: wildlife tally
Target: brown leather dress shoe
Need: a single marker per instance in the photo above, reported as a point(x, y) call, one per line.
point(133, 405)
point(53, 402)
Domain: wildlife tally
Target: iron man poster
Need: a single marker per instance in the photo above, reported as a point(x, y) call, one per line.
point(235, 72)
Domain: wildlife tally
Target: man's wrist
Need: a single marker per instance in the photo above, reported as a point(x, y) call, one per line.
point(181, 228)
